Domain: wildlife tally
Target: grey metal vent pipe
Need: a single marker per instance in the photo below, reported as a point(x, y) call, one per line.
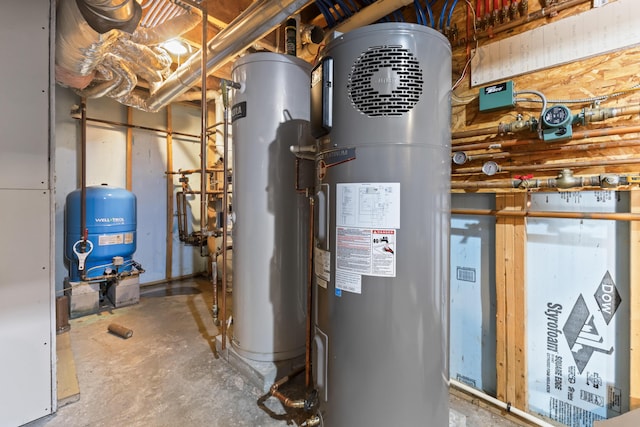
point(256, 21)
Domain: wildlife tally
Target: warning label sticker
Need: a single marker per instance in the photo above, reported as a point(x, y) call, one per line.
point(128, 238)
point(371, 252)
point(363, 251)
point(111, 239)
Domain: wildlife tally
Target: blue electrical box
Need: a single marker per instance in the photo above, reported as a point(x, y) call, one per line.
point(497, 96)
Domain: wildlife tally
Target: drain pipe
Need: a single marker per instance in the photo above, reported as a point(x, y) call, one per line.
point(506, 406)
point(256, 21)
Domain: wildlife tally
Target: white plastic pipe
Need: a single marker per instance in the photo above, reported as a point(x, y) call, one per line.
point(371, 14)
point(499, 403)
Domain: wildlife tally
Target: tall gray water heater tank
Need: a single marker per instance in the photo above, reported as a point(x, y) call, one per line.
point(270, 113)
point(381, 112)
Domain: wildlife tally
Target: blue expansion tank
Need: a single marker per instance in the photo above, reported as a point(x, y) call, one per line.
point(111, 227)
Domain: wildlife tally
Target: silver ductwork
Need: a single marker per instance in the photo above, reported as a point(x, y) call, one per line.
point(79, 48)
point(107, 61)
point(256, 21)
point(97, 55)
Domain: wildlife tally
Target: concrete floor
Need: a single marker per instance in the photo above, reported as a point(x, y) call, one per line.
point(170, 374)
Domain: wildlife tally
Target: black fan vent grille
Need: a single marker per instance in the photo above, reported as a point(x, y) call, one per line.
point(385, 81)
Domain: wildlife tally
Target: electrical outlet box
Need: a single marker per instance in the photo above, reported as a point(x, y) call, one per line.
point(497, 96)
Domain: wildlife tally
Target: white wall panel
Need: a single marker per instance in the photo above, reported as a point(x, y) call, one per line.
point(27, 338)
point(25, 307)
point(24, 93)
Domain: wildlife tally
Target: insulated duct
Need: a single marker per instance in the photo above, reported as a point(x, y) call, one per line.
point(97, 55)
point(256, 21)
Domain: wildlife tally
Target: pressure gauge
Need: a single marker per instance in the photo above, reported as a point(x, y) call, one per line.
point(557, 116)
point(490, 168)
point(459, 157)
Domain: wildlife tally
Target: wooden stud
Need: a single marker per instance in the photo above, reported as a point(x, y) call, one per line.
point(519, 306)
point(501, 299)
point(510, 304)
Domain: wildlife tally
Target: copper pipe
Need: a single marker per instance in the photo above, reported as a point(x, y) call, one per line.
point(546, 149)
point(552, 166)
point(129, 157)
point(210, 192)
point(495, 130)
point(83, 179)
point(491, 130)
point(190, 171)
point(539, 214)
point(307, 362)
point(584, 134)
point(169, 232)
point(114, 123)
point(291, 403)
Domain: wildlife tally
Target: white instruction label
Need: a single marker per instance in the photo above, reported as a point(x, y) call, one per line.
point(128, 238)
point(368, 205)
point(110, 239)
point(349, 282)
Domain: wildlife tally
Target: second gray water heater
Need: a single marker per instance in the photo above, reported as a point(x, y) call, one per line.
point(270, 113)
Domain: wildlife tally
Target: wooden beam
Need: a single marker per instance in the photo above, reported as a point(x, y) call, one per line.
point(634, 298)
point(510, 301)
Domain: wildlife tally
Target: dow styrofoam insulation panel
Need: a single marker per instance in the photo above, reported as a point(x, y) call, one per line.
point(577, 285)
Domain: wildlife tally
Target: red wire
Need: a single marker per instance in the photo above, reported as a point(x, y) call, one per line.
point(479, 9)
point(487, 7)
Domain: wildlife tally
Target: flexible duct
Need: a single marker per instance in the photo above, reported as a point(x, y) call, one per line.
point(79, 48)
point(96, 54)
point(256, 21)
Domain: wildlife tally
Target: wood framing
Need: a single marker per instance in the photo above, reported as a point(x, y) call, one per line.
point(510, 302)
